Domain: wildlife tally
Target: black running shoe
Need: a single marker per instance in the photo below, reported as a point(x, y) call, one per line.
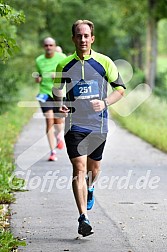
point(84, 228)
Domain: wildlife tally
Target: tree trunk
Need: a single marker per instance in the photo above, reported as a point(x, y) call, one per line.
point(137, 52)
point(151, 49)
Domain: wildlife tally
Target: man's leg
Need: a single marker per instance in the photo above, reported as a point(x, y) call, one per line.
point(97, 143)
point(50, 128)
point(79, 183)
point(80, 194)
point(59, 132)
point(93, 170)
point(79, 163)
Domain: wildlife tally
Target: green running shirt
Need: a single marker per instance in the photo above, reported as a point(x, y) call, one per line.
point(46, 67)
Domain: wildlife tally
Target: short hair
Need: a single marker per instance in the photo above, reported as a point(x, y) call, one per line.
point(87, 22)
point(50, 40)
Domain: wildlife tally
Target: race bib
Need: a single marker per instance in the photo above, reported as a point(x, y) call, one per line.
point(85, 89)
point(42, 97)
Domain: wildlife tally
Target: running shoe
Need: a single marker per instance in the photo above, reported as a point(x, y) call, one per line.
point(90, 199)
point(84, 228)
point(52, 157)
point(60, 144)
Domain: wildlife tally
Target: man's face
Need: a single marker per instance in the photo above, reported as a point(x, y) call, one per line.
point(49, 47)
point(83, 38)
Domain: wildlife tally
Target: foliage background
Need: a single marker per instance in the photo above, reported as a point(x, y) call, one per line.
point(120, 29)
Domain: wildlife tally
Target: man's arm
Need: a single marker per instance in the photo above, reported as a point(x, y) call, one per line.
point(99, 105)
point(58, 97)
point(38, 79)
point(117, 84)
point(113, 97)
point(38, 76)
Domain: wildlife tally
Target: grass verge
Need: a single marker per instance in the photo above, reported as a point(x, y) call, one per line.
point(11, 124)
point(148, 121)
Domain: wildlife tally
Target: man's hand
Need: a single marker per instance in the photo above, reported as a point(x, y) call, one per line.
point(64, 110)
point(38, 79)
point(98, 105)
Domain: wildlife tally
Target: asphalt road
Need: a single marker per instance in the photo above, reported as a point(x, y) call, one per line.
point(130, 197)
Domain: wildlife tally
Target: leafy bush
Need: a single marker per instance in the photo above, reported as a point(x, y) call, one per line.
point(14, 78)
point(8, 87)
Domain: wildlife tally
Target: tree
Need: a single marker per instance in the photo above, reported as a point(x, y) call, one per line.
point(156, 11)
point(130, 23)
point(10, 18)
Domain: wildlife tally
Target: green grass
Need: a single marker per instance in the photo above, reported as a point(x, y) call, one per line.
point(162, 63)
point(148, 121)
point(11, 123)
point(8, 242)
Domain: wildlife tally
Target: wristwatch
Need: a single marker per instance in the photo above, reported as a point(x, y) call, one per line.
point(106, 103)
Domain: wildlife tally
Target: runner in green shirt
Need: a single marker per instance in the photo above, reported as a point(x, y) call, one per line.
point(46, 65)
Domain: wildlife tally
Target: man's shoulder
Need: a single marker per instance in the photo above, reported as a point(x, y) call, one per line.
point(104, 61)
point(101, 57)
point(40, 57)
point(66, 60)
point(59, 56)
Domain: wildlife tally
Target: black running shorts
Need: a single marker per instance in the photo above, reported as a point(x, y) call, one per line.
point(48, 105)
point(90, 144)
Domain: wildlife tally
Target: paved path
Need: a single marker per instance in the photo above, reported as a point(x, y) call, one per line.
point(131, 201)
